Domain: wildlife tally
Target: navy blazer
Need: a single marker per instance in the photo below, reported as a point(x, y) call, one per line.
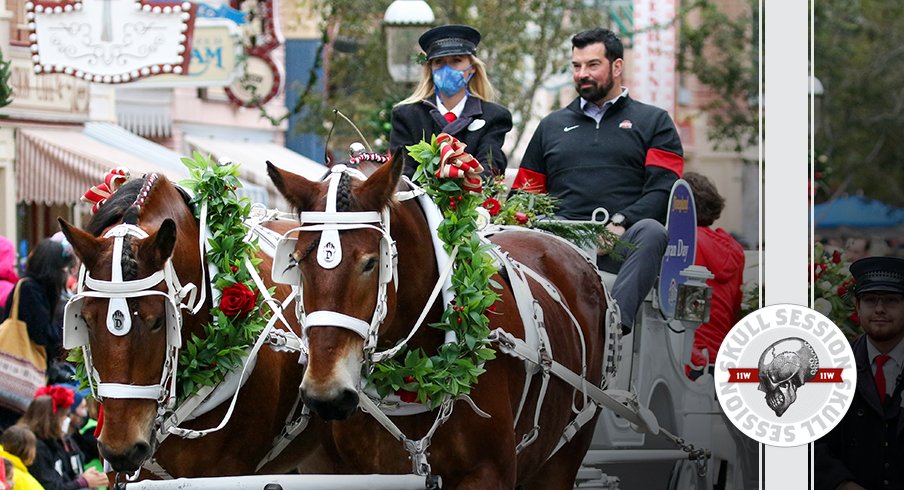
point(413, 122)
point(867, 446)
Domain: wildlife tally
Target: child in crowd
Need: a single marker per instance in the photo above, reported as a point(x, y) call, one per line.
point(59, 463)
point(18, 445)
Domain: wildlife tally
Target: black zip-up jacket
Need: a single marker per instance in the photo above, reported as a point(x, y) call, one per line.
point(627, 163)
point(482, 126)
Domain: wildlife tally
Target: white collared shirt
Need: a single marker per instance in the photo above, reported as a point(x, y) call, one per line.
point(892, 367)
point(457, 110)
point(595, 111)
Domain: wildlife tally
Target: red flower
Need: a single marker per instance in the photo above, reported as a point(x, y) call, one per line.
point(818, 269)
point(492, 205)
point(841, 291)
point(836, 257)
point(405, 395)
point(854, 317)
point(234, 268)
point(237, 300)
point(521, 217)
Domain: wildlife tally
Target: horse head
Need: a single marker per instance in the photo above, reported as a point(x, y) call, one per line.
point(136, 252)
point(344, 255)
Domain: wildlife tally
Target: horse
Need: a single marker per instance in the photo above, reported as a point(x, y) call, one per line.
point(468, 451)
point(136, 360)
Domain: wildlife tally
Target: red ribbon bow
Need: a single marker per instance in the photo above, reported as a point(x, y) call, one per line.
point(456, 163)
point(99, 193)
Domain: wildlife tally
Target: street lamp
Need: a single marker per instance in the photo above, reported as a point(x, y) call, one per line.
point(405, 21)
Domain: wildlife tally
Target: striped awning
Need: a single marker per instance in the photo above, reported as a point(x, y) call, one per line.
point(57, 165)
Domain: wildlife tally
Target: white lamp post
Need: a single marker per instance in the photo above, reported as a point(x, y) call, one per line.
point(405, 21)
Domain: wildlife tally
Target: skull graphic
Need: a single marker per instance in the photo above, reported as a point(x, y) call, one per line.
point(784, 367)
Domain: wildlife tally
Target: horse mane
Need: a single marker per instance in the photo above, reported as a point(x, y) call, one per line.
point(119, 207)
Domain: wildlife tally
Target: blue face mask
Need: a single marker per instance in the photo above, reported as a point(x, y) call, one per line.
point(450, 81)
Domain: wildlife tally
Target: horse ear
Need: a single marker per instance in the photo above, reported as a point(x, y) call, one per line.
point(87, 247)
point(158, 246)
point(299, 191)
point(378, 189)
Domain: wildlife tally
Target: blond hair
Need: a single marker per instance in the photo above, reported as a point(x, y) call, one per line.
point(479, 85)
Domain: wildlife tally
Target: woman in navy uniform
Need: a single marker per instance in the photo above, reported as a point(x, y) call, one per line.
point(454, 96)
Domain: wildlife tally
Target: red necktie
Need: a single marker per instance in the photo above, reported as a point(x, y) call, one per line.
point(450, 116)
point(881, 359)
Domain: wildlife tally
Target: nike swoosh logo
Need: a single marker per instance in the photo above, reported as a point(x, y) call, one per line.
point(569, 128)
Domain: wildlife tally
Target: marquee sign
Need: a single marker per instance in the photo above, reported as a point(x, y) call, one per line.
point(110, 41)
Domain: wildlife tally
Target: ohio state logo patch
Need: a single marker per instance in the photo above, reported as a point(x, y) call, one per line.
point(785, 375)
point(626, 124)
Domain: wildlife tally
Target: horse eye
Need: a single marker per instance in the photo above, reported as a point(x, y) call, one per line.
point(157, 324)
point(370, 264)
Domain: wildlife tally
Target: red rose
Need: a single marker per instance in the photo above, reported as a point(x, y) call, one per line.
point(405, 395)
point(237, 300)
point(836, 257)
point(492, 205)
point(841, 291)
point(854, 317)
point(521, 217)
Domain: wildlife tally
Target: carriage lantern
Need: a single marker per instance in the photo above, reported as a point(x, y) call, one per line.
point(404, 22)
point(694, 296)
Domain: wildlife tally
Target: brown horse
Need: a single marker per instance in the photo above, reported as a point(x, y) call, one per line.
point(468, 451)
point(127, 439)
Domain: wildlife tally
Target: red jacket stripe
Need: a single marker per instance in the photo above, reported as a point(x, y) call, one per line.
point(530, 181)
point(665, 159)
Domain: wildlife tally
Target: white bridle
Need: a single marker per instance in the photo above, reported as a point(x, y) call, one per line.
point(329, 254)
point(119, 316)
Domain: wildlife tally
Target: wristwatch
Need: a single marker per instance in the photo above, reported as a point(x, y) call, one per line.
point(618, 219)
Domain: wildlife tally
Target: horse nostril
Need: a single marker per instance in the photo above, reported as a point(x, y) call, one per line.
point(337, 408)
point(140, 452)
point(127, 461)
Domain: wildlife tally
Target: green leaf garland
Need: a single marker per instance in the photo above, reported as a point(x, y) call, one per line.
point(454, 369)
point(207, 360)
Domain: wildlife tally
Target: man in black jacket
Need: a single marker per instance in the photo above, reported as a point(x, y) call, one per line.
point(866, 449)
point(608, 150)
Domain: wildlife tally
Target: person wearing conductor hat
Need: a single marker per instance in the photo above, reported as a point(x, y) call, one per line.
point(865, 450)
point(454, 96)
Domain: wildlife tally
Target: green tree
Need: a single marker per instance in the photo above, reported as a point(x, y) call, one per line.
point(6, 90)
point(859, 58)
point(719, 49)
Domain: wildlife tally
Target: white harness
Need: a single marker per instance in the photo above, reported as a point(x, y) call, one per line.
point(119, 317)
point(329, 255)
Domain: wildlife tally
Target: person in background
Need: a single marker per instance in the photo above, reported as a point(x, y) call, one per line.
point(455, 97)
point(607, 150)
point(723, 256)
point(8, 276)
point(45, 277)
point(866, 448)
point(18, 445)
point(58, 463)
point(78, 415)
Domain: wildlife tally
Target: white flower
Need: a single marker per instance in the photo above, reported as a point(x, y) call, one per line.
point(823, 306)
point(825, 286)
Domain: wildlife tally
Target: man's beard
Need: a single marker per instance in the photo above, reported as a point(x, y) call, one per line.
point(595, 92)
